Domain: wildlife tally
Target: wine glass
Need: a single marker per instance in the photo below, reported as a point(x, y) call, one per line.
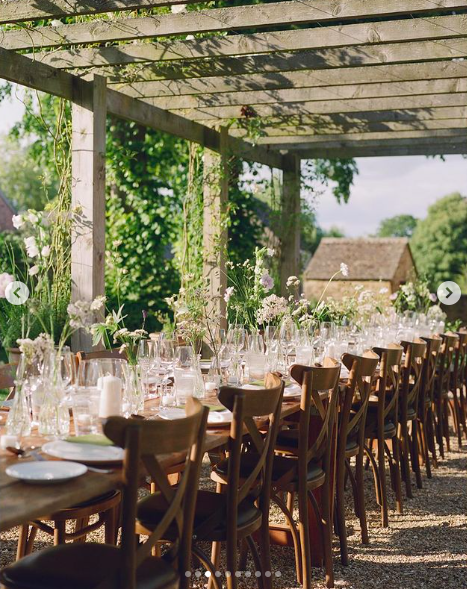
point(167, 356)
point(288, 337)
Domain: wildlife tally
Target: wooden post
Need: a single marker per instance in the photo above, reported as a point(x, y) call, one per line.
point(88, 195)
point(290, 238)
point(215, 197)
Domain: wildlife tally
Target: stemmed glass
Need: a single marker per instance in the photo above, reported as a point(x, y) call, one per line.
point(288, 337)
point(147, 360)
point(167, 357)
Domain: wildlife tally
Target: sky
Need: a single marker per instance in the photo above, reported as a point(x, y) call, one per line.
point(384, 187)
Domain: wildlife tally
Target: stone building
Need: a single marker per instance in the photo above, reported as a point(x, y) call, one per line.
point(6, 213)
point(373, 262)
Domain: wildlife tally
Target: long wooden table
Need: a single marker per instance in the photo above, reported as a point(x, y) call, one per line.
point(20, 502)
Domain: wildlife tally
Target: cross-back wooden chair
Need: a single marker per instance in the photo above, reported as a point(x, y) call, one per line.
point(351, 440)
point(463, 383)
point(242, 509)
point(456, 394)
point(441, 390)
point(382, 424)
point(412, 372)
point(307, 464)
point(425, 404)
point(101, 566)
point(7, 378)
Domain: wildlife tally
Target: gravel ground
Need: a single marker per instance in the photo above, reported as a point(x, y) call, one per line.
point(426, 547)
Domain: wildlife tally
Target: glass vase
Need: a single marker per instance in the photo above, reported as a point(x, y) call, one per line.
point(133, 392)
point(54, 414)
point(19, 417)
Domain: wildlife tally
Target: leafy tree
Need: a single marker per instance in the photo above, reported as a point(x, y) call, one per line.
point(398, 226)
point(439, 243)
point(20, 176)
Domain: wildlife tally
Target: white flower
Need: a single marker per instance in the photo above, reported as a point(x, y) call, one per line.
point(45, 252)
point(266, 281)
point(228, 293)
point(383, 290)
point(17, 221)
point(292, 281)
point(270, 252)
point(272, 307)
point(359, 287)
point(97, 303)
point(344, 269)
point(393, 297)
point(33, 271)
point(56, 23)
point(32, 217)
point(31, 247)
point(5, 280)
point(178, 8)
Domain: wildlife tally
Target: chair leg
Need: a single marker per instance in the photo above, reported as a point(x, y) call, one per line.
point(303, 529)
point(446, 424)
point(414, 453)
point(382, 483)
point(79, 525)
point(361, 496)
point(254, 554)
point(59, 532)
point(340, 513)
point(215, 559)
point(111, 527)
point(439, 426)
point(424, 443)
point(293, 530)
point(397, 473)
point(430, 432)
point(22, 541)
point(405, 457)
point(327, 536)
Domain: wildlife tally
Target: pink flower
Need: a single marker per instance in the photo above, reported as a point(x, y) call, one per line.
point(5, 280)
point(433, 298)
point(393, 297)
point(266, 281)
point(228, 293)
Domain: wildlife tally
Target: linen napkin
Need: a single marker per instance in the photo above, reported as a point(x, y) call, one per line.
point(97, 439)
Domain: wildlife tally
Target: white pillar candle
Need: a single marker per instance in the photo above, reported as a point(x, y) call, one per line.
point(99, 382)
point(7, 440)
point(111, 396)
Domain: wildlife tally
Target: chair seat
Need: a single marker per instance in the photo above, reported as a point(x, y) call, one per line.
point(152, 508)
point(280, 467)
point(82, 566)
point(371, 428)
point(411, 414)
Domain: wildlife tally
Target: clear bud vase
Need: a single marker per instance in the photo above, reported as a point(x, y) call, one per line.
point(133, 394)
point(198, 392)
point(18, 422)
point(54, 414)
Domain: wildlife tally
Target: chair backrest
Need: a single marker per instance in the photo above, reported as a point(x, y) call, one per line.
point(433, 347)
point(388, 381)
point(445, 360)
point(147, 442)
point(7, 378)
point(101, 354)
point(357, 390)
point(317, 382)
point(460, 358)
point(412, 370)
point(246, 405)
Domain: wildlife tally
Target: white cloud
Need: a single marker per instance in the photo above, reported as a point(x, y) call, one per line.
point(392, 186)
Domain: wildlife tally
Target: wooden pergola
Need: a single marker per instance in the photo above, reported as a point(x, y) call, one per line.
point(328, 78)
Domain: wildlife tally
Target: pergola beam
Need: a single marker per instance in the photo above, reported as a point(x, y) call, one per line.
point(384, 151)
point(328, 140)
point(177, 65)
point(352, 129)
point(13, 11)
point(142, 82)
point(348, 92)
point(425, 101)
point(294, 12)
point(21, 70)
point(228, 19)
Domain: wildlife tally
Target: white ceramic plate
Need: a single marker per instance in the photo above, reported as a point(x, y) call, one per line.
point(292, 390)
point(87, 453)
point(220, 417)
point(47, 472)
point(214, 417)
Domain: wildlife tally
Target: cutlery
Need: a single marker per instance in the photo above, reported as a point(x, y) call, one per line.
point(32, 453)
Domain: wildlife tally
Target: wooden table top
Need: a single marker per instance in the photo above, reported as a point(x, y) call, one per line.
point(20, 502)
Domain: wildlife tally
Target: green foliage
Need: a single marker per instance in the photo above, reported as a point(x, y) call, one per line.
point(339, 172)
point(439, 243)
point(147, 177)
point(20, 176)
point(398, 226)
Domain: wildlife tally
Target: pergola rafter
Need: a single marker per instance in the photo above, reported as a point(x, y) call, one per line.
point(351, 78)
